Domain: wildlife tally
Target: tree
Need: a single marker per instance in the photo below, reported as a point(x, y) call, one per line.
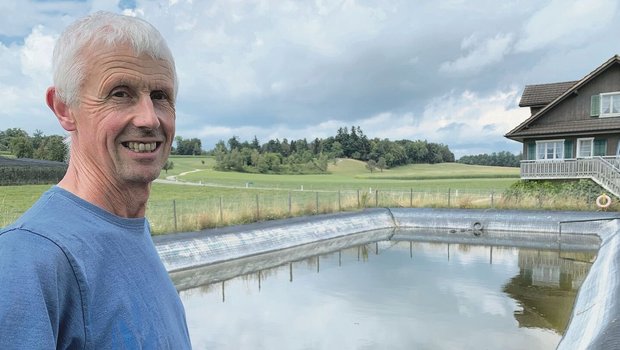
point(255, 144)
point(371, 165)
point(52, 148)
point(233, 143)
point(21, 147)
point(37, 139)
point(381, 163)
point(336, 150)
point(188, 147)
point(169, 165)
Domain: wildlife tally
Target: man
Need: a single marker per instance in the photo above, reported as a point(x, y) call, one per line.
point(79, 270)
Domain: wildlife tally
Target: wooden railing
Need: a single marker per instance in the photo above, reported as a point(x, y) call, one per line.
point(603, 170)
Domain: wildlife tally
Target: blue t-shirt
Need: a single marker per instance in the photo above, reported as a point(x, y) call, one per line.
point(74, 276)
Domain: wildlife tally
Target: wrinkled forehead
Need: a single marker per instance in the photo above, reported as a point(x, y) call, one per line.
point(103, 61)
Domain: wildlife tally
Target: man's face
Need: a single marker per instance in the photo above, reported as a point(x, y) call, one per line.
point(125, 117)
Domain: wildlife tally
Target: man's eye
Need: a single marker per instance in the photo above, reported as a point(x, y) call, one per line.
point(158, 95)
point(120, 94)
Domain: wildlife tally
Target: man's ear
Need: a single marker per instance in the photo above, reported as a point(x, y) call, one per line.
point(60, 109)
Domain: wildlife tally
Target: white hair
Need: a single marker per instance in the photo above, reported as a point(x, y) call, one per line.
point(102, 29)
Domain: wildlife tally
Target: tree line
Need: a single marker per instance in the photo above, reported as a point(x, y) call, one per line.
point(187, 146)
point(303, 156)
point(504, 158)
point(38, 146)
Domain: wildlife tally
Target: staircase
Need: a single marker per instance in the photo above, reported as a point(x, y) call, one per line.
point(605, 171)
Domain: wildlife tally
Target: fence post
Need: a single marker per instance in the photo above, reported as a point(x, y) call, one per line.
point(411, 198)
point(221, 211)
point(448, 197)
point(174, 212)
point(376, 198)
point(339, 207)
point(257, 209)
point(492, 199)
point(358, 199)
point(317, 202)
point(290, 206)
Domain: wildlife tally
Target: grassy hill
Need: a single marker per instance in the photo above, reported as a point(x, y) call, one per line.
point(349, 174)
point(442, 171)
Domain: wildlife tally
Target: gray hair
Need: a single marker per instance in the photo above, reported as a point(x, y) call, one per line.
point(102, 29)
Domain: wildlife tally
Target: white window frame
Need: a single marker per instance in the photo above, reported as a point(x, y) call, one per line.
point(555, 150)
point(591, 139)
point(614, 95)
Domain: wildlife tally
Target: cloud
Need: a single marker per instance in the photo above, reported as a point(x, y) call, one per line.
point(399, 69)
point(458, 120)
point(36, 53)
point(567, 23)
point(480, 54)
point(25, 73)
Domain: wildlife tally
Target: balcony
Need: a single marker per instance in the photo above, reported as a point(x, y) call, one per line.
point(603, 170)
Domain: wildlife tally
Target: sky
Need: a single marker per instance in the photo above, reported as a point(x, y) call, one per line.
point(445, 71)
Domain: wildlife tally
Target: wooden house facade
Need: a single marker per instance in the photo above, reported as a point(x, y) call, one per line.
point(574, 128)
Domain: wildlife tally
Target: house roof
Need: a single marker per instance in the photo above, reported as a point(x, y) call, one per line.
point(589, 126)
point(543, 94)
point(520, 131)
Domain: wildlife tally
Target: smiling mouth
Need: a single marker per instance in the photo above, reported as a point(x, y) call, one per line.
point(140, 147)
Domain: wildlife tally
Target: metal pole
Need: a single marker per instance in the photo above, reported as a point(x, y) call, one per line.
point(358, 198)
point(448, 198)
point(221, 211)
point(492, 199)
point(174, 212)
point(317, 202)
point(411, 198)
point(376, 198)
point(290, 205)
point(339, 206)
point(257, 208)
point(290, 267)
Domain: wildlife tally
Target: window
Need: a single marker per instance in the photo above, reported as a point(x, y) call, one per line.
point(584, 148)
point(550, 150)
point(610, 104)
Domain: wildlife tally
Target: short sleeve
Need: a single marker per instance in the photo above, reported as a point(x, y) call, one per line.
point(40, 299)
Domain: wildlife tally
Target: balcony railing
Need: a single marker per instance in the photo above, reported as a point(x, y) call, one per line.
point(603, 170)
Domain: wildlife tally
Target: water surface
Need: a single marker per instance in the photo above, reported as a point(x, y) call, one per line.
point(394, 295)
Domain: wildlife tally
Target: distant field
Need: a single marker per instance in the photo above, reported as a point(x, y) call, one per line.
point(187, 163)
point(242, 190)
point(443, 171)
point(351, 174)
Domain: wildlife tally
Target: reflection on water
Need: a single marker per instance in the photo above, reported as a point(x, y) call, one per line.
point(546, 287)
point(393, 295)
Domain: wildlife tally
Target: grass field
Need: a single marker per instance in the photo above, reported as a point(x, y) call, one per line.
point(349, 174)
point(228, 197)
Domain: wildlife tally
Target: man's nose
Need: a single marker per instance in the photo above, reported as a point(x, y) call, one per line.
point(146, 117)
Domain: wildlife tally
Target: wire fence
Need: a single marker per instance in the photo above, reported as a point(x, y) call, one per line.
point(250, 206)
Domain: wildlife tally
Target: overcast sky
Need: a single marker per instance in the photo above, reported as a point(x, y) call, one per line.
point(447, 71)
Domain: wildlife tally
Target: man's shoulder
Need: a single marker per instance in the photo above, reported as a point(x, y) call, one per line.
point(17, 241)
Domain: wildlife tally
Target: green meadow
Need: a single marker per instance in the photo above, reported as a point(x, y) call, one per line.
point(347, 174)
point(225, 198)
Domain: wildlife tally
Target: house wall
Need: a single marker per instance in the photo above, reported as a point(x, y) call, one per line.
point(612, 143)
point(577, 106)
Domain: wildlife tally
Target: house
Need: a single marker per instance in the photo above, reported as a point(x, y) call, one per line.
point(573, 131)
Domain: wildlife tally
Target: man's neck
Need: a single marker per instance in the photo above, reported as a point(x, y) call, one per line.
point(124, 200)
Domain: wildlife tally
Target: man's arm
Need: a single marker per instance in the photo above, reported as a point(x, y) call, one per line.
point(40, 302)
